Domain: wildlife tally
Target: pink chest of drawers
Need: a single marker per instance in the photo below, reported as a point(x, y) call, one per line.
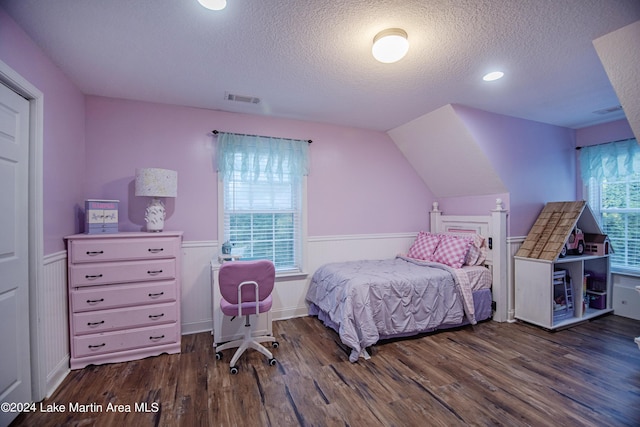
point(124, 296)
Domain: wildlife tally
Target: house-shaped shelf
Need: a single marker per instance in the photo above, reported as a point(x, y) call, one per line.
point(543, 299)
point(553, 227)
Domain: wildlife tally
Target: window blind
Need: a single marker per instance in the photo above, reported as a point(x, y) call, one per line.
point(262, 190)
point(611, 173)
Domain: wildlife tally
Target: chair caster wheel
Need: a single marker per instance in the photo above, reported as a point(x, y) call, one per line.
point(275, 344)
point(218, 355)
point(272, 362)
point(233, 370)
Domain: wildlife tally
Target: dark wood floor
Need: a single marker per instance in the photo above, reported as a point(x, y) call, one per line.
point(489, 374)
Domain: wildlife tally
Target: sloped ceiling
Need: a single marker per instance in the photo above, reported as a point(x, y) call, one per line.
point(619, 52)
point(446, 156)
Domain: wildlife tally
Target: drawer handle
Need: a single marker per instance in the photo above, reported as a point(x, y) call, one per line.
point(95, 323)
point(156, 250)
point(156, 294)
point(95, 276)
point(156, 316)
point(97, 346)
point(156, 338)
point(94, 253)
point(94, 301)
point(154, 272)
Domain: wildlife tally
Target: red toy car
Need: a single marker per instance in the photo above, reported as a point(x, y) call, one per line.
point(574, 244)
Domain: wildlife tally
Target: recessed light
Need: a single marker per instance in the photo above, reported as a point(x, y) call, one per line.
point(494, 75)
point(213, 4)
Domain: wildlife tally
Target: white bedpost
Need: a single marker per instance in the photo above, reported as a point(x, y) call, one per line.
point(435, 218)
point(500, 259)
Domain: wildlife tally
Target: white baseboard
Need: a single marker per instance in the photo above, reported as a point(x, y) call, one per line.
point(57, 375)
point(196, 327)
point(289, 313)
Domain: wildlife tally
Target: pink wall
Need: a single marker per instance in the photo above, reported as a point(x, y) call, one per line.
point(63, 131)
point(536, 161)
point(359, 181)
point(603, 133)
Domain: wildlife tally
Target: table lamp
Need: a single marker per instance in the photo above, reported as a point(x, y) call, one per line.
point(156, 183)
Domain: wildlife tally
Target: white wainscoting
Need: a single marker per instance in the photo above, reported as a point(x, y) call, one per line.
point(290, 296)
point(196, 307)
point(54, 319)
point(289, 293)
point(196, 285)
point(513, 244)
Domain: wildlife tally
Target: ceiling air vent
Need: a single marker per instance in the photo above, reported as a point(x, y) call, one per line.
point(608, 110)
point(241, 98)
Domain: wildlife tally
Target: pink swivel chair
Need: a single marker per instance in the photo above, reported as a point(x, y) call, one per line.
point(245, 287)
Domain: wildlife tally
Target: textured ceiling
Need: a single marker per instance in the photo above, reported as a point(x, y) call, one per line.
point(311, 59)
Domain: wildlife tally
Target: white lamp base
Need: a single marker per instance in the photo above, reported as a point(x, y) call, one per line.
point(154, 215)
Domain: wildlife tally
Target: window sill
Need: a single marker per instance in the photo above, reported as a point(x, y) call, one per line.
point(626, 272)
point(290, 275)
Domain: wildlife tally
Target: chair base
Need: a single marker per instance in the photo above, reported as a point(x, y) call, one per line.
point(248, 342)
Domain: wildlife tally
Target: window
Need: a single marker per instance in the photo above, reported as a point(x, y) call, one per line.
point(611, 173)
point(262, 187)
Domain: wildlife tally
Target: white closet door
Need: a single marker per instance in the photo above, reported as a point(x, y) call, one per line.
point(15, 360)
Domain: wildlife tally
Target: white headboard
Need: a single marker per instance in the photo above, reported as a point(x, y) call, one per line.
point(494, 228)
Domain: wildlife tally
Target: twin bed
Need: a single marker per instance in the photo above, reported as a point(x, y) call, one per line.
point(450, 277)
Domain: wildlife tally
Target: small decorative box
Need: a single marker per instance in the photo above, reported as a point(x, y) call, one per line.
point(101, 216)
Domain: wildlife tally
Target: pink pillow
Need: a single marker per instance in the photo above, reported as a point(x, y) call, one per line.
point(424, 246)
point(477, 251)
point(452, 250)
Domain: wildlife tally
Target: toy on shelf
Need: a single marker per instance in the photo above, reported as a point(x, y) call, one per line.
point(597, 244)
point(574, 244)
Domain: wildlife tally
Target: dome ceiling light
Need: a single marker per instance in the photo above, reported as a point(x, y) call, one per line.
point(213, 4)
point(390, 45)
